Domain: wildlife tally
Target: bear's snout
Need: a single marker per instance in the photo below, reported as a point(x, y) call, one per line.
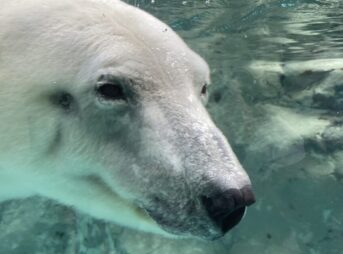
point(227, 208)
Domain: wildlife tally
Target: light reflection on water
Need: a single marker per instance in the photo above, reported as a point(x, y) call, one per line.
point(257, 29)
point(277, 66)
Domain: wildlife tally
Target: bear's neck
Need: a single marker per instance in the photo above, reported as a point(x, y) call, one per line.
point(13, 186)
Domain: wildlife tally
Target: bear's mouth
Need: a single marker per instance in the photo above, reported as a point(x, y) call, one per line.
point(177, 227)
point(233, 218)
point(195, 226)
point(184, 226)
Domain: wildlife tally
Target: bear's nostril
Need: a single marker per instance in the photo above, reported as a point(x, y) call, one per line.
point(232, 219)
point(227, 208)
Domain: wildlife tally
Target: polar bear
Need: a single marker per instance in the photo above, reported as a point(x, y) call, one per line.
point(102, 109)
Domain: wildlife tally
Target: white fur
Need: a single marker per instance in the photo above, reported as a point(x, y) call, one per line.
point(48, 45)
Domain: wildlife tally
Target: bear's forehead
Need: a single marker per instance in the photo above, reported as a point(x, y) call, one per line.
point(100, 33)
point(137, 37)
point(136, 42)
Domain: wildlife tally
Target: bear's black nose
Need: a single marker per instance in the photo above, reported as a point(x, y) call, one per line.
point(227, 208)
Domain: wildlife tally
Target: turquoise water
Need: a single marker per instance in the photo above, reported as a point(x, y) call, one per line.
point(278, 97)
point(277, 66)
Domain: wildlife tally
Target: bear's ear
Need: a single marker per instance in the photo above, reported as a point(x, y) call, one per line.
point(63, 100)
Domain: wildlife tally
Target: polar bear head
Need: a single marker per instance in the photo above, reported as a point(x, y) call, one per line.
point(102, 108)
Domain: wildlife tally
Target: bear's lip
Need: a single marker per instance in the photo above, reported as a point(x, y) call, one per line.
point(181, 229)
point(170, 226)
point(177, 228)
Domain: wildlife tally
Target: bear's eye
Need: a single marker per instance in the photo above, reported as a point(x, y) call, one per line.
point(109, 91)
point(204, 90)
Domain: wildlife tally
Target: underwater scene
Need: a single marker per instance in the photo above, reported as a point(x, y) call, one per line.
point(276, 94)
